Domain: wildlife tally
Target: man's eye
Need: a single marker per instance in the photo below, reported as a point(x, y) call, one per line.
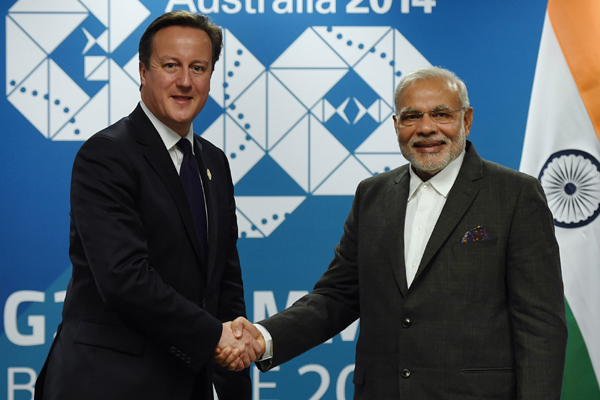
point(197, 68)
point(440, 114)
point(410, 117)
point(169, 65)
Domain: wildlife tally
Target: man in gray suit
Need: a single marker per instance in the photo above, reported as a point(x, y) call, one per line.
point(451, 264)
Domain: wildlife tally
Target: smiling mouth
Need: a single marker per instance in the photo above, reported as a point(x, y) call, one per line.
point(181, 98)
point(428, 144)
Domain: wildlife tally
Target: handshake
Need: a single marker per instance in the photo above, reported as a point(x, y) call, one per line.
point(240, 345)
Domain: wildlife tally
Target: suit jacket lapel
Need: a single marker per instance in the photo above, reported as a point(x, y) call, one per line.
point(211, 203)
point(396, 204)
point(160, 161)
point(459, 200)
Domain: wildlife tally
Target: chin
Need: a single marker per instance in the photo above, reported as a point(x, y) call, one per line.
point(181, 120)
point(429, 165)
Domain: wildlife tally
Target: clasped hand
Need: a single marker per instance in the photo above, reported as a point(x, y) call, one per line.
point(240, 345)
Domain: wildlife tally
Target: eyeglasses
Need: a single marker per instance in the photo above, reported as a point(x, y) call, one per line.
point(439, 116)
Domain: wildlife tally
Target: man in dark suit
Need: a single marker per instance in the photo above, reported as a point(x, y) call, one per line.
point(155, 269)
point(451, 264)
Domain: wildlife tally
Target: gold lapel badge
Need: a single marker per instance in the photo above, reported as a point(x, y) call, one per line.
point(209, 174)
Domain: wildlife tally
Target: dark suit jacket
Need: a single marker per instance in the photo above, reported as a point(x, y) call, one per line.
point(142, 317)
point(481, 320)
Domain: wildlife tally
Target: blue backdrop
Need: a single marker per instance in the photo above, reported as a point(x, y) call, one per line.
point(301, 104)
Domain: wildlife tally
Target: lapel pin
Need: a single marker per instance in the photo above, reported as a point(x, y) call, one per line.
point(209, 174)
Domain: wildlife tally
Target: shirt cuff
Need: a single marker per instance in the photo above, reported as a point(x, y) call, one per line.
point(268, 354)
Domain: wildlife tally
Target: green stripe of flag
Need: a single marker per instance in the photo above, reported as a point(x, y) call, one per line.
point(580, 381)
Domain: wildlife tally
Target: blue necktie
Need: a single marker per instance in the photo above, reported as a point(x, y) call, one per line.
point(193, 189)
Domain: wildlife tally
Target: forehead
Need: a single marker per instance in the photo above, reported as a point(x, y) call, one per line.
point(429, 93)
point(182, 38)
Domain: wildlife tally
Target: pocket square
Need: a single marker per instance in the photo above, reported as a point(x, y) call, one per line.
point(475, 234)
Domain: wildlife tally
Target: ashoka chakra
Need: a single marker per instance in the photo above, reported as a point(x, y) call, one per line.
point(571, 180)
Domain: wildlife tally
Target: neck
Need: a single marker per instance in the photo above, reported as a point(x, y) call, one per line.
point(424, 175)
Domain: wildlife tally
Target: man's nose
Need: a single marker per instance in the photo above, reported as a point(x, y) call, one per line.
point(426, 125)
point(184, 78)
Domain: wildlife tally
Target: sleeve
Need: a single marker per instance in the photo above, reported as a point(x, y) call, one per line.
point(536, 297)
point(332, 305)
point(106, 218)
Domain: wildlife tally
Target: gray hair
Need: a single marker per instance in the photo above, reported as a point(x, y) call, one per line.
point(431, 73)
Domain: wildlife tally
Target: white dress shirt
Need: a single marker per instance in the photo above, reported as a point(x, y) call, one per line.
point(170, 137)
point(425, 203)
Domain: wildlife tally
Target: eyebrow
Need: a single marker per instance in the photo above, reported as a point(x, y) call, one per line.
point(166, 57)
point(407, 110)
point(436, 108)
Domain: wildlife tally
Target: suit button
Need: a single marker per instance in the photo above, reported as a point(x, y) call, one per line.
point(173, 349)
point(188, 360)
point(405, 373)
point(406, 322)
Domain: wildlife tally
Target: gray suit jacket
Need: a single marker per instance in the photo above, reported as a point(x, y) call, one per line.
point(481, 320)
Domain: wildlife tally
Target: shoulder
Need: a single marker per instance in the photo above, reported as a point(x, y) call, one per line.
point(379, 184)
point(129, 130)
point(499, 173)
point(475, 168)
point(211, 153)
point(508, 186)
point(116, 141)
point(135, 128)
point(386, 178)
point(122, 131)
point(207, 147)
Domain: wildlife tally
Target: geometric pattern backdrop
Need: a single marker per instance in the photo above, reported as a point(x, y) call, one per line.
point(318, 114)
point(301, 104)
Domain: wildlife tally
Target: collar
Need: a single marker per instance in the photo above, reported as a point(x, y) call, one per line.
point(442, 182)
point(168, 135)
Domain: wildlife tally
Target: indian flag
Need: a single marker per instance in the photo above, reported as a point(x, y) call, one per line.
point(562, 149)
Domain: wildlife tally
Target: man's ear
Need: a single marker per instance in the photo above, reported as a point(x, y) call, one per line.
point(468, 120)
point(142, 69)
